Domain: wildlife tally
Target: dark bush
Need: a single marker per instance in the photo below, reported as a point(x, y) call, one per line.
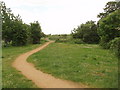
point(115, 46)
point(78, 41)
point(61, 40)
point(104, 43)
point(108, 28)
point(36, 32)
point(20, 38)
point(86, 32)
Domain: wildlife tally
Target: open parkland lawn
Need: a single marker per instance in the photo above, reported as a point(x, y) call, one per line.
point(85, 63)
point(11, 78)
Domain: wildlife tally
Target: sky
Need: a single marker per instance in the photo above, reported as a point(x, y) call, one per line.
point(57, 16)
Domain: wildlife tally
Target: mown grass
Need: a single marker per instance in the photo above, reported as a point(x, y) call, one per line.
point(11, 78)
point(88, 64)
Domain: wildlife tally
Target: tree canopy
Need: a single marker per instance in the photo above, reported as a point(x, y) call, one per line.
point(17, 33)
point(109, 8)
point(36, 33)
point(87, 32)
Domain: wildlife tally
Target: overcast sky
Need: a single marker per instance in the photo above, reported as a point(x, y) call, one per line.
point(57, 16)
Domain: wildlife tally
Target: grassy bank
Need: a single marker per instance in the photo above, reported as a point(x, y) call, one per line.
point(88, 64)
point(11, 77)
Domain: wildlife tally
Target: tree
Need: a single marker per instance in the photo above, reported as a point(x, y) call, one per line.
point(87, 32)
point(109, 8)
point(0, 25)
point(109, 27)
point(13, 31)
point(7, 23)
point(28, 29)
point(35, 32)
point(43, 34)
point(20, 34)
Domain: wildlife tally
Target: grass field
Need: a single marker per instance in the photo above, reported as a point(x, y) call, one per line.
point(12, 78)
point(88, 64)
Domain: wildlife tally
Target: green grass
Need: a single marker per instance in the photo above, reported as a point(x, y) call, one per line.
point(11, 78)
point(0, 68)
point(88, 64)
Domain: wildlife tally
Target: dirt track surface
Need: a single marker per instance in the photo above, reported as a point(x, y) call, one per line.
point(42, 80)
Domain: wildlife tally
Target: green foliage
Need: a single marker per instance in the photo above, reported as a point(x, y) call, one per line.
point(109, 27)
point(58, 36)
point(70, 40)
point(15, 32)
point(54, 37)
point(115, 46)
point(104, 45)
point(61, 40)
point(78, 41)
point(19, 34)
point(65, 38)
point(87, 32)
point(109, 8)
point(43, 34)
point(28, 30)
point(7, 23)
point(12, 28)
point(35, 32)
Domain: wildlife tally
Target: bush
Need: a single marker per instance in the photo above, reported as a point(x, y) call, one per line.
point(54, 37)
point(20, 35)
point(20, 38)
point(104, 44)
point(115, 46)
point(87, 32)
point(78, 41)
point(70, 40)
point(36, 32)
point(61, 40)
point(108, 28)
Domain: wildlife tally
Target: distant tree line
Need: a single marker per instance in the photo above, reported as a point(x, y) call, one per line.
point(106, 32)
point(17, 33)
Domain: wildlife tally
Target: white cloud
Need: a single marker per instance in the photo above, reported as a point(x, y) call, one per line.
point(57, 16)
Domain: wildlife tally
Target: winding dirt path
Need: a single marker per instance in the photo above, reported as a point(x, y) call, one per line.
point(41, 79)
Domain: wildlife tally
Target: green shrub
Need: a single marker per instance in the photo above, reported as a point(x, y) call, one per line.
point(61, 40)
point(43, 40)
point(108, 28)
point(87, 33)
point(36, 32)
point(19, 38)
point(78, 41)
point(54, 37)
point(70, 40)
point(104, 45)
point(115, 46)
